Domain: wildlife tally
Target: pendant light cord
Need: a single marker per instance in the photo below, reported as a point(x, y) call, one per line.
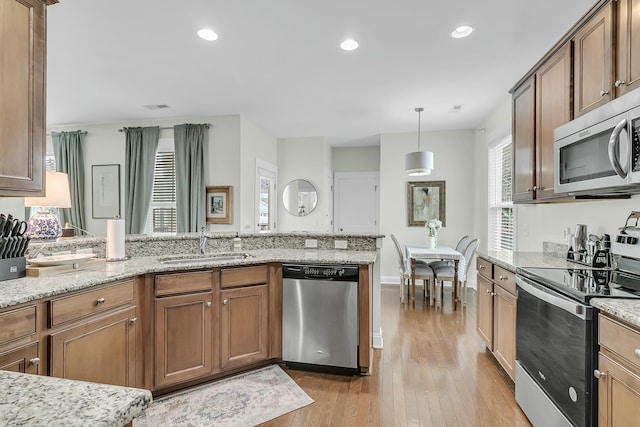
point(419, 110)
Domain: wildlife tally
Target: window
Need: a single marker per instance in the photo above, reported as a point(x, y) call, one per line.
point(501, 212)
point(162, 217)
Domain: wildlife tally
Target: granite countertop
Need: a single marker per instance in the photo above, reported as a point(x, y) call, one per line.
point(27, 289)
point(512, 260)
point(625, 309)
point(61, 402)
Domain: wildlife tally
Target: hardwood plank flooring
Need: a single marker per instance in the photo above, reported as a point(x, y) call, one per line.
point(434, 370)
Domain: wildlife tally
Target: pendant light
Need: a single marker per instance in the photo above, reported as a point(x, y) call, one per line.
point(419, 163)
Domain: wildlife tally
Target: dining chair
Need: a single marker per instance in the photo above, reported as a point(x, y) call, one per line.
point(446, 272)
point(423, 272)
point(460, 247)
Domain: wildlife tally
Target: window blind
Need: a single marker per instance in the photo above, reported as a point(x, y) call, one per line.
point(162, 216)
point(501, 212)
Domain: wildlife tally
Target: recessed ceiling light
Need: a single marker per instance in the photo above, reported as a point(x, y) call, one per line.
point(207, 34)
point(349, 45)
point(461, 32)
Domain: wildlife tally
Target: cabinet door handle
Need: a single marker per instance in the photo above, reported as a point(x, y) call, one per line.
point(133, 320)
point(100, 301)
point(208, 303)
point(482, 267)
point(34, 361)
point(637, 352)
point(619, 83)
point(488, 291)
point(599, 374)
point(529, 190)
point(493, 294)
point(604, 92)
point(225, 302)
point(535, 187)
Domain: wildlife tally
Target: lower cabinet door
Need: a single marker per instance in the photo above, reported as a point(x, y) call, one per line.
point(244, 325)
point(183, 338)
point(504, 329)
point(484, 309)
point(101, 350)
point(618, 394)
point(24, 360)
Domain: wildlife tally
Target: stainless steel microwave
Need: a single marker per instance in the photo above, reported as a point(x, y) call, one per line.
point(599, 153)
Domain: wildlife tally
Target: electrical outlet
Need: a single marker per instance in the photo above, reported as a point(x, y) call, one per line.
point(311, 243)
point(340, 244)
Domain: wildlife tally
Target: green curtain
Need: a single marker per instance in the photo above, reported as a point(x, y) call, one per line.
point(67, 149)
point(190, 147)
point(140, 157)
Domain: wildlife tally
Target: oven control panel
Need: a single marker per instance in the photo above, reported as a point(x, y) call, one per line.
point(627, 241)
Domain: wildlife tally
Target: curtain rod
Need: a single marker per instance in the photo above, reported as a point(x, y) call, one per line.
point(208, 125)
point(84, 132)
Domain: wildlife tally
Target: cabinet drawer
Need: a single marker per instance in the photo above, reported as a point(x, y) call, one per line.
point(96, 301)
point(620, 339)
point(485, 268)
point(17, 324)
point(243, 276)
point(24, 360)
point(505, 279)
point(178, 283)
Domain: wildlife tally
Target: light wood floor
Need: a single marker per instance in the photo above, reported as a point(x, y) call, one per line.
point(433, 371)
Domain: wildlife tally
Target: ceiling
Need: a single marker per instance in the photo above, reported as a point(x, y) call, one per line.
point(278, 62)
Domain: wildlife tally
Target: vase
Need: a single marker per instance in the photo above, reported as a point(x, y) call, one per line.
point(431, 242)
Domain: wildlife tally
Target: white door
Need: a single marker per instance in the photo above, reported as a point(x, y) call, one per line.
point(266, 196)
point(356, 202)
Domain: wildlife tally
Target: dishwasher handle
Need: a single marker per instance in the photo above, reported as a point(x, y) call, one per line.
point(330, 272)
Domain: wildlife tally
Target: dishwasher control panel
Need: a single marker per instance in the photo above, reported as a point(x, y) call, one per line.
point(324, 272)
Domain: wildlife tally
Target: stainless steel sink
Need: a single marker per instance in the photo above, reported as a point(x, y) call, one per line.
point(203, 259)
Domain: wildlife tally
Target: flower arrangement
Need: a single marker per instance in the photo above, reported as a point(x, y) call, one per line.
point(433, 226)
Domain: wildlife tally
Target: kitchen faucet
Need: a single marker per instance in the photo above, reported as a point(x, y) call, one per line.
point(203, 240)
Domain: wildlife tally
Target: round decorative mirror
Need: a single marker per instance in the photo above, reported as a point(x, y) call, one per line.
point(300, 197)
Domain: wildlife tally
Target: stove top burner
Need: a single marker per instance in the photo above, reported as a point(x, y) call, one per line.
point(580, 284)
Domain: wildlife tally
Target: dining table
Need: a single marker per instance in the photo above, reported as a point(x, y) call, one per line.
point(414, 252)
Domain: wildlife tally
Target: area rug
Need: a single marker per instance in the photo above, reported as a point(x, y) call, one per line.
point(243, 400)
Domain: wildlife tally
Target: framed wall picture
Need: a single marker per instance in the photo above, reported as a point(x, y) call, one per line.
point(105, 191)
point(220, 205)
point(426, 200)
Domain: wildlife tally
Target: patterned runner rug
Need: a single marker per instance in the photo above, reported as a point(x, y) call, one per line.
point(243, 400)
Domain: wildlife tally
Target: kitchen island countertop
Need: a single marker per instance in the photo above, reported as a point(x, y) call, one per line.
point(36, 400)
point(25, 289)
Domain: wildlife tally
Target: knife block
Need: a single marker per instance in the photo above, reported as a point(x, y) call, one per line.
point(13, 268)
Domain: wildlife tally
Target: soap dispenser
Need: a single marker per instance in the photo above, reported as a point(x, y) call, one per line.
point(237, 243)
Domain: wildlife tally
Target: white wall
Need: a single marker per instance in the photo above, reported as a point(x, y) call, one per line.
point(356, 159)
point(454, 163)
point(308, 159)
point(256, 143)
point(103, 144)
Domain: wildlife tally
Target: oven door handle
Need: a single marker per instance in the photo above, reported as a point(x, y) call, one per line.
point(544, 294)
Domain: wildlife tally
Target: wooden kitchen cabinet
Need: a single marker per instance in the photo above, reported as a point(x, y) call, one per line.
point(185, 319)
point(524, 142)
point(244, 316)
point(627, 75)
point(19, 351)
point(496, 312)
point(593, 62)
point(101, 349)
point(22, 105)
point(23, 359)
point(553, 108)
point(618, 373)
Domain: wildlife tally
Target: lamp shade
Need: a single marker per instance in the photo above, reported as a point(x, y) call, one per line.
point(418, 163)
point(57, 193)
point(44, 225)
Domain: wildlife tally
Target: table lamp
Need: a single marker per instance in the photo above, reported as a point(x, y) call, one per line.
point(44, 225)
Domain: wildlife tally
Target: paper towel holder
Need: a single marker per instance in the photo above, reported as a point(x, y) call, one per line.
point(114, 259)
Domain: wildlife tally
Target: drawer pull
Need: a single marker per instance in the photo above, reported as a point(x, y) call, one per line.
point(604, 92)
point(134, 320)
point(225, 302)
point(637, 352)
point(100, 301)
point(34, 361)
point(619, 83)
point(599, 374)
point(208, 303)
point(488, 291)
point(482, 267)
point(493, 294)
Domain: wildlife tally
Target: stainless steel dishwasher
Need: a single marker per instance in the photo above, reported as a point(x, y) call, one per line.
point(320, 316)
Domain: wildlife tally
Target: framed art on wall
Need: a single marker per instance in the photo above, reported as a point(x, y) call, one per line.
point(105, 191)
point(426, 200)
point(219, 205)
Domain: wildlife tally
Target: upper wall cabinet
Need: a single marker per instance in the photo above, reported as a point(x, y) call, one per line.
point(523, 107)
point(593, 63)
point(22, 105)
point(627, 76)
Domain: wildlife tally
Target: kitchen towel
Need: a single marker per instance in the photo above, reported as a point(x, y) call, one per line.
point(115, 239)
